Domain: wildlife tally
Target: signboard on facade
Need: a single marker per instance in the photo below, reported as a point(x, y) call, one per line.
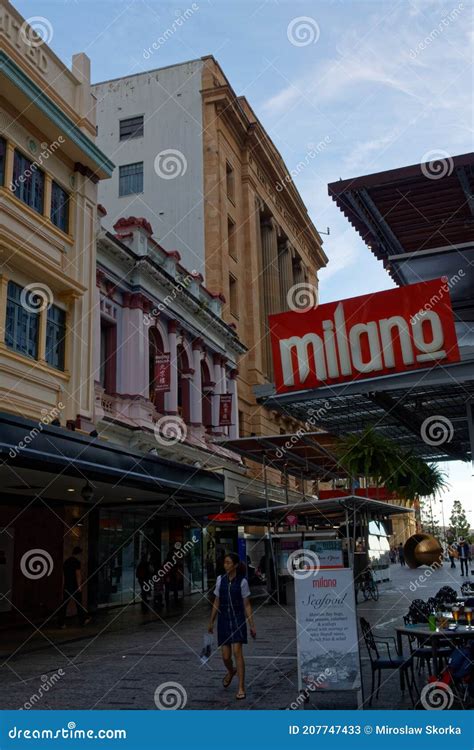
point(361, 337)
point(329, 552)
point(326, 630)
point(225, 409)
point(162, 373)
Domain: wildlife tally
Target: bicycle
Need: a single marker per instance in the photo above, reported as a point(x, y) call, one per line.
point(368, 586)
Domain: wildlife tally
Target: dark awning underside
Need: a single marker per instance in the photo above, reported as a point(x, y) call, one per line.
point(305, 454)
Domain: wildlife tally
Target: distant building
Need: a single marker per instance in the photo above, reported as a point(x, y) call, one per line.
point(194, 160)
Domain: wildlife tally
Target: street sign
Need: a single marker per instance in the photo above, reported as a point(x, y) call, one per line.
point(326, 630)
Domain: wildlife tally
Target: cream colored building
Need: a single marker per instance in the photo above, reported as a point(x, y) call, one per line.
point(49, 170)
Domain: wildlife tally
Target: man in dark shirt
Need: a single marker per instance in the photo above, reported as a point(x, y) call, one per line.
point(72, 588)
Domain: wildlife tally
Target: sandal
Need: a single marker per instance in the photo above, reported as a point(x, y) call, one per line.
point(241, 695)
point(228, 678)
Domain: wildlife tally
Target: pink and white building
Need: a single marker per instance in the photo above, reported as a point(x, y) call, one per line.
point(164, 360)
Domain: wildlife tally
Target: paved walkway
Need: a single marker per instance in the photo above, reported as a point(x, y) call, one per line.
point(121, 659)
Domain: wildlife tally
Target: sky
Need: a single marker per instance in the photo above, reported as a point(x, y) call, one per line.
point(377, 84)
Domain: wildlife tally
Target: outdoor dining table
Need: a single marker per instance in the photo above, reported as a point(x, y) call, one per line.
point(435, 638)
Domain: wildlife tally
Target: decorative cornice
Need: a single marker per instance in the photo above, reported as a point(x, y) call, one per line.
point(133, 221)
point(65, 125)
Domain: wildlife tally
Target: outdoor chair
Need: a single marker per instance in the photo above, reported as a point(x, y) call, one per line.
point(378, 663)
point(422, 653)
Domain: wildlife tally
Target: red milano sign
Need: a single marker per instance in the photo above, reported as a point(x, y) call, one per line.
point(362, 337)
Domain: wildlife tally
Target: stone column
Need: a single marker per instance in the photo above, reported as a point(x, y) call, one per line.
point(134, 349)
point(271, 285)
point(299, 275)
point(171, 397)
point(285, 266)
point(220, 386)
point(232, 385)
point(96, 327)
point(195, 415)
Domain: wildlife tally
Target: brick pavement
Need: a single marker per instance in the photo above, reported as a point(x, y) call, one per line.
point(120, 661)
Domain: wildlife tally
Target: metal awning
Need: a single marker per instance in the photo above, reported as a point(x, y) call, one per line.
point(304, 454)
point(333, 509)
point(428, 412)
point(418, 220)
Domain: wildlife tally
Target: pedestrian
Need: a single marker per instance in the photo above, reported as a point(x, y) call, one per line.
point(464, 555)
point(401, 555)
point(232, 608)
point(144, 574)
point(72, 589)
point(171, 577)
point(452, 554)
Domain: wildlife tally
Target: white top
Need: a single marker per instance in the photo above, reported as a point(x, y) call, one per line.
point(244, 587)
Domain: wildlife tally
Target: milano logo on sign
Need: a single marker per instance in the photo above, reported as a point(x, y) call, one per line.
point(376, 334)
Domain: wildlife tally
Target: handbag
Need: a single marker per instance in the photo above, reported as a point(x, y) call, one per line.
point(208, 642)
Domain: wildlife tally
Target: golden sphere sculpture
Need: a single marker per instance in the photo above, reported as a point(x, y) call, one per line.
point(422, 549)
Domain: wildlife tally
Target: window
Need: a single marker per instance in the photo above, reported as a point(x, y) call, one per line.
point(22, 322)
point(55, 337)
point(108, 349)
point(231, 238)
point(131, 179)
point(234, 308)
point(131, 128)
point(230, 182)
point(60, 207)
point(28, 182)
point(3, 148)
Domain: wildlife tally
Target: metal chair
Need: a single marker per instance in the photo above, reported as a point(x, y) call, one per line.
point(392, 662)
point(424, 653)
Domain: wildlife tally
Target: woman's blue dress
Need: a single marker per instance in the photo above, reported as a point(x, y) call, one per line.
point(231, 621)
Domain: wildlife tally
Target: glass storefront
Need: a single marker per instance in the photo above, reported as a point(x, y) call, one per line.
point(124, 536)
point(379, 550)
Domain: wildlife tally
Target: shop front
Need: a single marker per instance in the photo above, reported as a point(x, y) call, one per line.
point(66, 489)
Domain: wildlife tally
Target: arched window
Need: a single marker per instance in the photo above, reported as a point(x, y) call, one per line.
point(155, 348)
point(184, 372)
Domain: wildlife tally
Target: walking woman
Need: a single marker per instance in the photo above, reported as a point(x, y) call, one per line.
point(232, 609)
